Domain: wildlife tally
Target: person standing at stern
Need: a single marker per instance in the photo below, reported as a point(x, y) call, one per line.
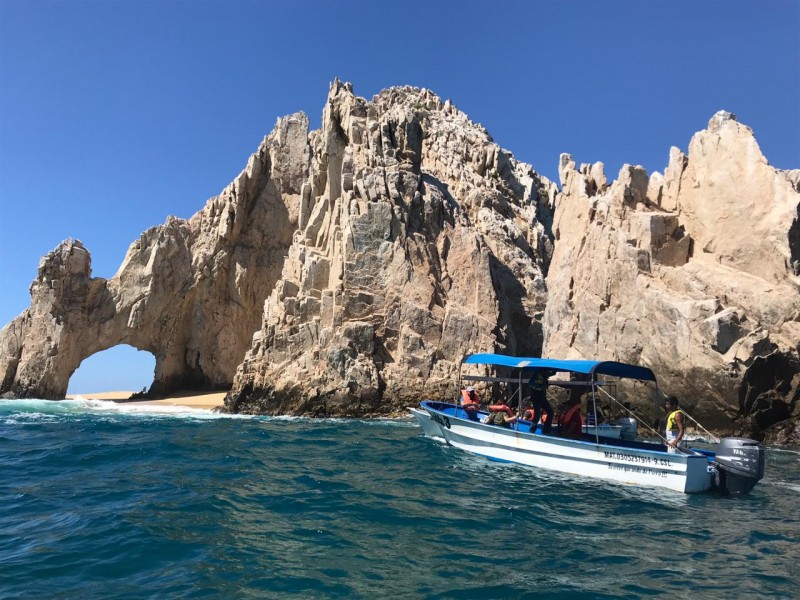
point(541, 407)
point(676, 425)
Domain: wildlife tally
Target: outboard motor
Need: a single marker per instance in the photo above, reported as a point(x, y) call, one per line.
point(739, 464)
point(630, 428)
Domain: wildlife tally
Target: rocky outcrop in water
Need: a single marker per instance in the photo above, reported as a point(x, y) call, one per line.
point(347, 270)
point(409, 238)
point(693, 273)
point(190, 292)
point(420, 241)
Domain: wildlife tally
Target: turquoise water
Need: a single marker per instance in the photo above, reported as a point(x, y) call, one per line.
point(110, 501)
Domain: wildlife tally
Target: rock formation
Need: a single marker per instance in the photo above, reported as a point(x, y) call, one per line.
point(347, 270)
point(409, 237)
point(420, 240)
point(190, 292)
point(693, 273)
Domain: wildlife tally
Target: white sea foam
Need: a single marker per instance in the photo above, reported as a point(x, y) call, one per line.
point(402, 422)
point(372, 422)
point(38, 409)
point(33, 409)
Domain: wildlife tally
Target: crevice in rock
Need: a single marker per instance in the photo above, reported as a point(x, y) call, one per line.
point(794, 244)
point(766, 393)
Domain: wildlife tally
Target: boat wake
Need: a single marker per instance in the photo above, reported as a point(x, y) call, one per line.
point(784, 450)
point(788, 485)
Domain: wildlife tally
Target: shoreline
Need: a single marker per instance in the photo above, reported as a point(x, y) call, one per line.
point(205, 400)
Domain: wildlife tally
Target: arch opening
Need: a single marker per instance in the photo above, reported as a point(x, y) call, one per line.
point(119, 368)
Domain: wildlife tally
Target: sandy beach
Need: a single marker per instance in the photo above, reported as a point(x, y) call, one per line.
point(208, 400)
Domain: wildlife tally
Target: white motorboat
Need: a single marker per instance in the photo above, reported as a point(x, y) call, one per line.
point(734, 467)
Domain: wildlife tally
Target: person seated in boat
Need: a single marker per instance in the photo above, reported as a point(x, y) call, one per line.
point(529, 414)
point(570, 422)
point(590, 416)
point(500, 414)
point(540, 406)
point(676, 424)
point(591, 411)
point(470, 402)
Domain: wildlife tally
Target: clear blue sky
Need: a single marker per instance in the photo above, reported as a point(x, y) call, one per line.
point(115, 114)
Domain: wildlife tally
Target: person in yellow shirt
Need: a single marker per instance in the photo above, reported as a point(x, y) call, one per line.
point(676, 424)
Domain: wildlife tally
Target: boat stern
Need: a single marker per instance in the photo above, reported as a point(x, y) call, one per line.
point(738, 465)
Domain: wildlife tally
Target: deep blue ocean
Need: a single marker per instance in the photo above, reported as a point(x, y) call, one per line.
point(99, 500)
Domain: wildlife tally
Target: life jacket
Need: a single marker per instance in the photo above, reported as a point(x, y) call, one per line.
point(501, 408)
point(497, 418)
point(529, 415)
point(567, 416)
point(672, 422)
point(468, 402)
point(570, 426)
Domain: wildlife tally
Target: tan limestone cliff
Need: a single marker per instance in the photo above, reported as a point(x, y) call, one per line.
point(694, 274)
point(420, 240)
point(387, 244)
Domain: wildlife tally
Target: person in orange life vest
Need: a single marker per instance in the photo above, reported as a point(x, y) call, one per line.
point(540, 406)
point(676, 425)
point(500, 414)
point(470, 402)
point(529, 412)
point(501, 407)
point(570, 421)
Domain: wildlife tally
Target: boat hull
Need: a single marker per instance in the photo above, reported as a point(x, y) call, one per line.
point(634, 463)
point(429, 427)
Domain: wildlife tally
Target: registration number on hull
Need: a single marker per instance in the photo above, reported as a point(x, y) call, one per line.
point(635, 458)
point(441, 420)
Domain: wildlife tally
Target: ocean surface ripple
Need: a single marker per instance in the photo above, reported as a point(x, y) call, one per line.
point(98, 501)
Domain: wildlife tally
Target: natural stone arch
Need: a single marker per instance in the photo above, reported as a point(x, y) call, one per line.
point(189, 292)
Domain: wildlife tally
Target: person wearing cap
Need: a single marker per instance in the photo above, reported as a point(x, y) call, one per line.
point(470, 402)
point(675, 424)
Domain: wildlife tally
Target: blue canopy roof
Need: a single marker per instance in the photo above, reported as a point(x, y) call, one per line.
point(586, 367)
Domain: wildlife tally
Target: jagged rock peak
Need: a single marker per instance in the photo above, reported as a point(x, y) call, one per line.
point(421, 240)
point(346, 270)
point(719, 119)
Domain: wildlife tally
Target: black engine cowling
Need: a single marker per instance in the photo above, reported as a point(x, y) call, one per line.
point(739, 464)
